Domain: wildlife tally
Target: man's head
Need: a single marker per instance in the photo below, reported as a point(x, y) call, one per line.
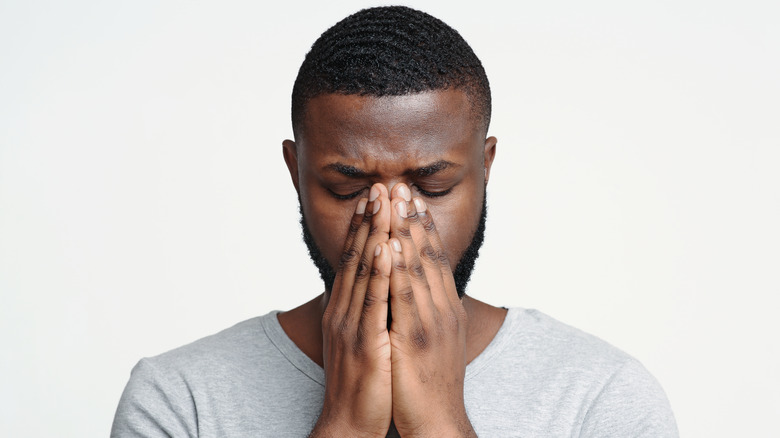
point(390, 51)
point(391, 95)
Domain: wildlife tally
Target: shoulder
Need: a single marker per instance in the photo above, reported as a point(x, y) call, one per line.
point(247, 348)
point(162, 392)
point(546, 340)
point(239, 343)
point(571, 379)
point(554, 345)
point(631, 402)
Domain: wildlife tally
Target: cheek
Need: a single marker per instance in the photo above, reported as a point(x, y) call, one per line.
point(329, 222)
point(456, 224)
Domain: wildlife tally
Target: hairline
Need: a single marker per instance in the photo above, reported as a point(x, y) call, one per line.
point(477, 114)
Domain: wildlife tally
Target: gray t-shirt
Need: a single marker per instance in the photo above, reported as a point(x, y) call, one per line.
point(538, 377)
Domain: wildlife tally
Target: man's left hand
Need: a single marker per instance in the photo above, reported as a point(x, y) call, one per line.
point(428, 328)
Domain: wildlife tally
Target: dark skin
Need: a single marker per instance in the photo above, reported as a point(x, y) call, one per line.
point(373, 173)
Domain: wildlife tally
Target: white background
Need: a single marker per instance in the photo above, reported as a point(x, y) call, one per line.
point(144, 202)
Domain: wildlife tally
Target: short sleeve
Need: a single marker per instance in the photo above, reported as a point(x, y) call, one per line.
point(631, 404)
point(153, 405)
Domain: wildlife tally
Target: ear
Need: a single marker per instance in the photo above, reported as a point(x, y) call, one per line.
point(489, 154)
point(290, 152)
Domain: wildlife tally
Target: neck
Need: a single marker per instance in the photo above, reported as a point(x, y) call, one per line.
point(303, 325)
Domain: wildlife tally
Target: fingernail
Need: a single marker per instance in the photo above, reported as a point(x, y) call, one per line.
point(401, 208)
point(378, 250)
point(404, 192)
point(419, 205)
point(373, 194)
point(411, 209)
point(396, 245)
point(361, 207)
point(377, 204)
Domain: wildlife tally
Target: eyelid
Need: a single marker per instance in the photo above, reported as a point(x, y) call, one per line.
point(348, 196)
point(436, 194)
point(426, 193)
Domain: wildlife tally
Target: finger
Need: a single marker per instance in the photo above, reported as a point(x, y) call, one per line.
point(356, 222)
point(378, 216)
point(340, 295)
point(428, 255)
point(434, 254)
point(400, 228)
point(426, 221)
point(379, 230)
point(401, 190)
point(403, 306)
point(375, 304)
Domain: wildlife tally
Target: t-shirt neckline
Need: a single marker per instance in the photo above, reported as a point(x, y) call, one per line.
point(303, 363)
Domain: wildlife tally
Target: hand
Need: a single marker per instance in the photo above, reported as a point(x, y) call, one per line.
point(428, 327)
point(356, 342)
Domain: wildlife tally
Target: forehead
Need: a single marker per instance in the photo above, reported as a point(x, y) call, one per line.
point(420, 126)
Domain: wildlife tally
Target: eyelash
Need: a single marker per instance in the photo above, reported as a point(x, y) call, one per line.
point(428, 194)
point(425, 193)
point(346, 197)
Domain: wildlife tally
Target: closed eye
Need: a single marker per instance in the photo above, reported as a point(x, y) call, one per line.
point(434, 194)
point(347, 196)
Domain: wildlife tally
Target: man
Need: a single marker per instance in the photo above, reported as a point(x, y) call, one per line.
point(391, 160)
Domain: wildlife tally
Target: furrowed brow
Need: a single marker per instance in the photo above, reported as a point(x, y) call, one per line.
point(347, 170)
point(354, 172)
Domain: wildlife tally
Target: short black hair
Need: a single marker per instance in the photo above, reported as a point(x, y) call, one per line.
point(390, 51)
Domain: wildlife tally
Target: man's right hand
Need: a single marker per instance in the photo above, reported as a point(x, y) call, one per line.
point(356, 343)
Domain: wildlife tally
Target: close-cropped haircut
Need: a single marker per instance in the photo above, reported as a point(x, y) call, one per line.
point(390, 51)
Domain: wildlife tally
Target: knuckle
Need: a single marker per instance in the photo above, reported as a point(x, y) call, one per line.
point(406, 295)
point(334, 323)
point(343, 328)
point(428, 253)
point(348, 257)
point(417, 270)
point(354, 226)
point(359, 341)
point(378, 273)
point(429, 226)
point(404, 232)
point(420, 338)
point(369, 301)
point(443, 258)
point(400, 267)
point(362, 269)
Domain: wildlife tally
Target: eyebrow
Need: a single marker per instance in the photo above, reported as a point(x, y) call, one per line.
point(347, 170)
point(354, 172)
point(431, 168)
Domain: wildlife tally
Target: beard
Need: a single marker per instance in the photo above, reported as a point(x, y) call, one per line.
point(461, 273)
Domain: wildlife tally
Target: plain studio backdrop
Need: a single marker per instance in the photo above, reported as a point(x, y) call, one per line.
point(144, 202)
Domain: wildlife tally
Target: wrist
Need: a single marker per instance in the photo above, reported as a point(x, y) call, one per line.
point(458, 428)
point(328, 427)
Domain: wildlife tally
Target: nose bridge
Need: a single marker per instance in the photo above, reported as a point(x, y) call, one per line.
point(392, 180)
point(391, 172)
point(391, 183)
